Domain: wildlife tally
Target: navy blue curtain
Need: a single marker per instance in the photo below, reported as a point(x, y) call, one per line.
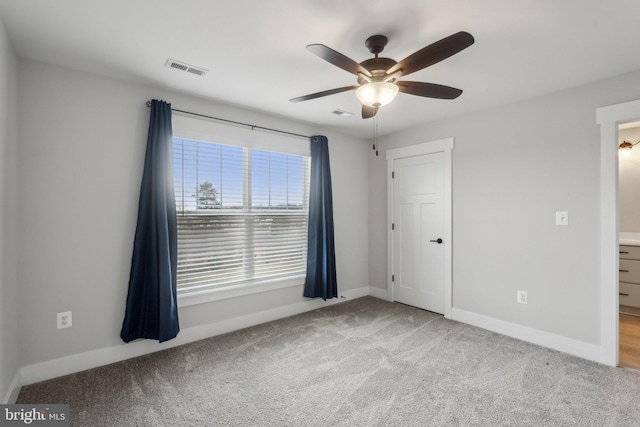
point(321, 258)
point(152, 309)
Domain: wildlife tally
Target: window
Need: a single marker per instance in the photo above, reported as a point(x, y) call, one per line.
point(242, 214)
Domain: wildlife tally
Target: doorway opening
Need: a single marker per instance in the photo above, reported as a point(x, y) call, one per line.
point(629, 239)
point(609, 118)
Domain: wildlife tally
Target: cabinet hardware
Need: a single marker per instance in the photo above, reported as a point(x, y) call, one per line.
point(623, 271)
point(623, 295)
point(624, 252)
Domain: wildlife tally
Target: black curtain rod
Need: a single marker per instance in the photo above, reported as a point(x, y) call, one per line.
point(237, 123)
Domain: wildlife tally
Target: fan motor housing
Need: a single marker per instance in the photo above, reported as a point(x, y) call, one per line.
point(377, 66)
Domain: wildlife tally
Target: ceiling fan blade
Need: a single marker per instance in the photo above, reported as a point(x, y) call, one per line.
point(338, 59)
point(430, 90)
point(368, 112)
point(433, 53)
point(323, 93)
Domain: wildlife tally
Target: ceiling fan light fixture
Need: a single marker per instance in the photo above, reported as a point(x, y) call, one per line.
point(376, 94)
point(378, 77)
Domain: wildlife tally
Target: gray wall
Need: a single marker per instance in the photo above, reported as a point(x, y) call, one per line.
point(82, 142)
point(77, 173)
point(513, 167)
point(9, 360)
point(629, 184)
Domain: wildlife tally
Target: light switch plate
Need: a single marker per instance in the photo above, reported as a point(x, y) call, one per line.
point(562, 218)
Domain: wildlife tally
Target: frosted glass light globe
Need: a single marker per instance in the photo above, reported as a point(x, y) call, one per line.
point(376, 94)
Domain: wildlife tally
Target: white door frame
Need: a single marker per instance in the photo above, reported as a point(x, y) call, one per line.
point(445, 146)
point(609, 118)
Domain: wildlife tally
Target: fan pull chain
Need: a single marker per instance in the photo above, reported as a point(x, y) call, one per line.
point(375, 134)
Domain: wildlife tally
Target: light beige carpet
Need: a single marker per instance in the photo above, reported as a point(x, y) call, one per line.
point(359, 363)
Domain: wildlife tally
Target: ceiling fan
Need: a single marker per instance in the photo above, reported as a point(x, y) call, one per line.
point(378, 77)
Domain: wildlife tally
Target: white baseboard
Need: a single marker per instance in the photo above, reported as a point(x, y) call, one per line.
point(556, 342)
point(14, 389)
point(379, 293)
point(104, 356)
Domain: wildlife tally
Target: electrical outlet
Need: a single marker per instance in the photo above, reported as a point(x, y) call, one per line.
point(64, 320)
point(521, 297)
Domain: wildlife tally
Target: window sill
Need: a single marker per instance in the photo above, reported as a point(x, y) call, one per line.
point(187, 298)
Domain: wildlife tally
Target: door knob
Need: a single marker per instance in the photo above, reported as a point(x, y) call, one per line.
point(438, 241)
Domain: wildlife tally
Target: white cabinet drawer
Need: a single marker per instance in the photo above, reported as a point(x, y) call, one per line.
point(629, 271)
point(629, 252)
point(629, 294)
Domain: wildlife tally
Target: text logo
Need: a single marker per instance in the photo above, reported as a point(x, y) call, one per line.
point(34, 415)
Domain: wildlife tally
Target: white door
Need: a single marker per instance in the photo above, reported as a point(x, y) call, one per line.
point(418, 224)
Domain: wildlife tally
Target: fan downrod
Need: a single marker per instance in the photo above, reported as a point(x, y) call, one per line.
point(376, 43)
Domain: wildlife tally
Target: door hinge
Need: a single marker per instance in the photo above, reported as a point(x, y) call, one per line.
point(393, 226)
point(393, 174)
point(393, 278)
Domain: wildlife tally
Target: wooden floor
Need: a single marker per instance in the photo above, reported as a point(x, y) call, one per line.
point(630, 341)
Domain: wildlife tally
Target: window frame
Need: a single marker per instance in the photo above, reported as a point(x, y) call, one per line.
point(186, 127)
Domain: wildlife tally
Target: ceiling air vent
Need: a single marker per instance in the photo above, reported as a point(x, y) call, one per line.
point(342, 113)
point(172, 63)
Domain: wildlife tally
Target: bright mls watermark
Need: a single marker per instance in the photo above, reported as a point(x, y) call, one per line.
point(34, 415)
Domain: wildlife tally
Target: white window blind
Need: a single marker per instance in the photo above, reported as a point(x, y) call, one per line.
point(242, 214)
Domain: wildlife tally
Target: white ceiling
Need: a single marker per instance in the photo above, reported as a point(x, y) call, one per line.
point(256, 57)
